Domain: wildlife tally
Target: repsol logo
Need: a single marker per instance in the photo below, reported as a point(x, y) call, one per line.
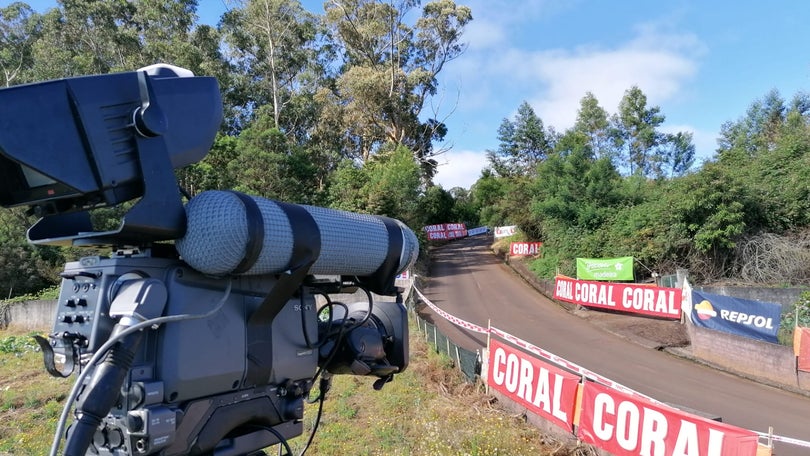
point(757, 321)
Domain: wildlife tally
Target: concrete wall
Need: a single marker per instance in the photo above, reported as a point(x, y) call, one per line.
point(784, 296)
point(768, 363)
point(28, 314)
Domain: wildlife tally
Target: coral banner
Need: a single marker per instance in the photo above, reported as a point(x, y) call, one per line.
point(542, 388)
point(525, 248)
point(633, 298)
point(625, 425)
point(445, 231)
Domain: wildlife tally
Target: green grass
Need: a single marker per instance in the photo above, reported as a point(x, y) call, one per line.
point(428, 409)
point(30, 399)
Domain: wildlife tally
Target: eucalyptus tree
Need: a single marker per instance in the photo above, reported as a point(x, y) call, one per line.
point(648, 150)
point(524, 143)
point(271, 44)
point(389, 69)
point(593, 121)
point(637, 126)
point(20, 27)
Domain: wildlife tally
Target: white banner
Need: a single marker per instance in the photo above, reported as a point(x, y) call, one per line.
point(504, 231)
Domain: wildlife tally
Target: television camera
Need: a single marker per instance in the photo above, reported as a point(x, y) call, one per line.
point(200, 333)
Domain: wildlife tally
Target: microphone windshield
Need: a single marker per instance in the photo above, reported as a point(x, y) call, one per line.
point(233, 233)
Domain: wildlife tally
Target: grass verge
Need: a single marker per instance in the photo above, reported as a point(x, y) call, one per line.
point(429, 409)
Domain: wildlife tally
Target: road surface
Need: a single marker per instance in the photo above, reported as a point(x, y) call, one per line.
point(468, 281)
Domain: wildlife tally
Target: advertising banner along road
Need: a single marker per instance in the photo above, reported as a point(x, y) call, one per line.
point(542, 388)
point(626, 425)
point(753, 319)
point(525, 248)
point(640, 299)
point(605, 269)
point(801, 347)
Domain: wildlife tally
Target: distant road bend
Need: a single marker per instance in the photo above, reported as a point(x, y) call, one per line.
point(469, 282)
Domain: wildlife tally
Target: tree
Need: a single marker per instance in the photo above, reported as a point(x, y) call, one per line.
point(592, 120)
point(20, 27)
point(677, 154)
point(757, 131)
point(389, 70)
point(637, 125)
point(269, 165)
point(436, 206)
point(270, 42)
point(649, 151)
point(387, 185)
point(523, 144)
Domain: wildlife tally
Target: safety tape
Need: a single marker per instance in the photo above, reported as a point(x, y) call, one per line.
point(789, 440)
point(455, 320)
point(547, 355)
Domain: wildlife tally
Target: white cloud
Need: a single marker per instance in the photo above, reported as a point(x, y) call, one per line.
point(555, 80)
point(459, 168)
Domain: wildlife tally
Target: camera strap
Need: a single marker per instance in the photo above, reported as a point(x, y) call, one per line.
point(48, 356)
point(255, 229)
point(305, 251)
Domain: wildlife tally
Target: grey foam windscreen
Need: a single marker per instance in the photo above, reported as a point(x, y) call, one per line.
point(217, 238)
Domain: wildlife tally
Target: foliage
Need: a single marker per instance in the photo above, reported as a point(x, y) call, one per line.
point(653, 207)
point(799, 315)
point(17, 345)
point(329, 109)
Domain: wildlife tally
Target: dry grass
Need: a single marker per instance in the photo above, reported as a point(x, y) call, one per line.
point(429, 409)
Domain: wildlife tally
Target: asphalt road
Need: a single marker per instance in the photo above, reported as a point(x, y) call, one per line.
point(467, 281)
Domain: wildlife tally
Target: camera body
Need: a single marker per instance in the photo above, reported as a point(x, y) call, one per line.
point(186, 391)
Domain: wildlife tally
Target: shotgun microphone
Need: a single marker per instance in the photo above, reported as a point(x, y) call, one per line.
point(233, 233)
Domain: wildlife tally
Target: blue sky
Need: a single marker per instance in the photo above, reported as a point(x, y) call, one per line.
point(703, 63)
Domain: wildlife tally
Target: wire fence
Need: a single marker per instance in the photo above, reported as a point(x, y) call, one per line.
point(468, 362)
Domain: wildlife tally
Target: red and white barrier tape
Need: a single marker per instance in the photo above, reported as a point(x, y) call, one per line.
point(455, 320)
point(568, 364)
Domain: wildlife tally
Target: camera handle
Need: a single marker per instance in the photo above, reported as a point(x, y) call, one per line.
point(137, 301)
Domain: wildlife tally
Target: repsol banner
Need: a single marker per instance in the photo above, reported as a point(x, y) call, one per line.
point(625, 425)
point(542, 388)
point(525, 248)
point(753, 319)
point(605, 269)
point(639, 299)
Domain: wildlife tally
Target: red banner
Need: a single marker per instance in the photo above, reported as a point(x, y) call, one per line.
point(445, 231)
point(624, 425)
point(525, 248)
point(640, 299)
point(801, 346)
point(542, 388)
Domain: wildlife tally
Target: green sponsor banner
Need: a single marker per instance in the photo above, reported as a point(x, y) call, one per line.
point(605, 268)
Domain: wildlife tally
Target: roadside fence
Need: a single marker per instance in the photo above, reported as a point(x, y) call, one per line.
point(468, 362)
